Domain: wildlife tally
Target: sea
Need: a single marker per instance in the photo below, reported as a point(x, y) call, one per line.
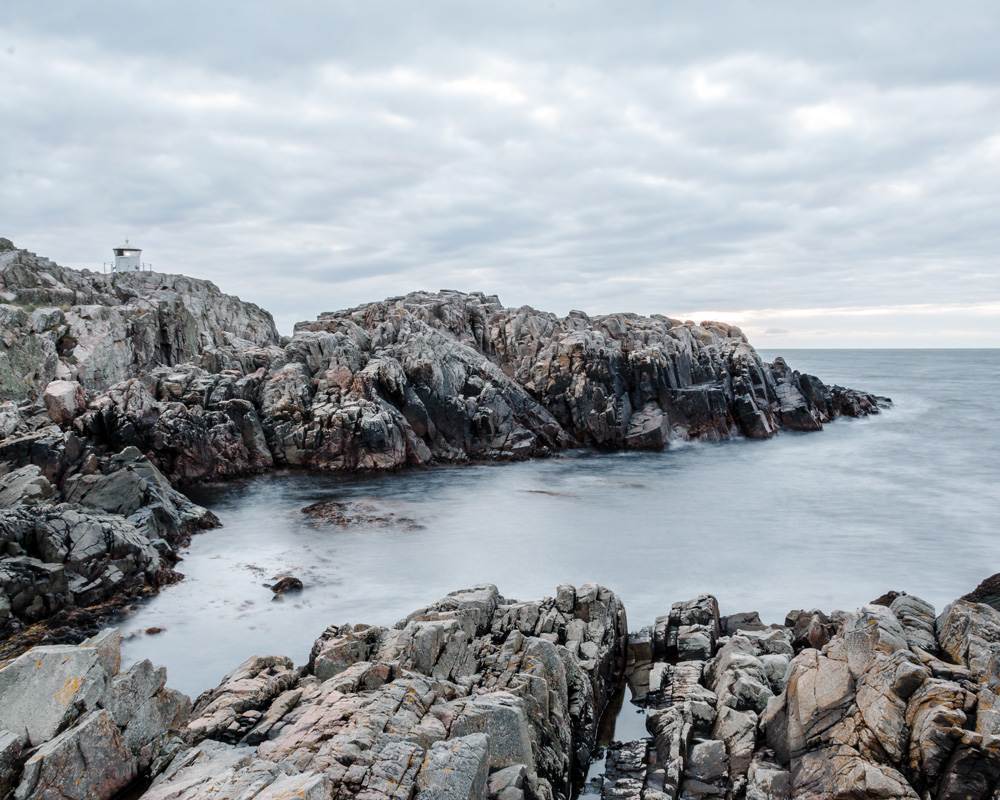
point(908, 500)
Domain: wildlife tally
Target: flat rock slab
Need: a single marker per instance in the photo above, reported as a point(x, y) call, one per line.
point(45, 689)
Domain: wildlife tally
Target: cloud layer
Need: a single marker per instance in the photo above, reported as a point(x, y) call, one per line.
point(821, 175)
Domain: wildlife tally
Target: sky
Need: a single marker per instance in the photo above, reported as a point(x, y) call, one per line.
point(820, 174)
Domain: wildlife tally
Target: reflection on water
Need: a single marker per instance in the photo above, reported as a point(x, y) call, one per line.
point(908, 501)
point(622, 721)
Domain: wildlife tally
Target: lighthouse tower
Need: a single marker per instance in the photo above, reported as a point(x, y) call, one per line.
point(127, 258)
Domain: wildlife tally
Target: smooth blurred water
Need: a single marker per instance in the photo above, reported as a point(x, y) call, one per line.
point(906, 500)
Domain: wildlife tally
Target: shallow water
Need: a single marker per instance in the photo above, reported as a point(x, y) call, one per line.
point(906, 500)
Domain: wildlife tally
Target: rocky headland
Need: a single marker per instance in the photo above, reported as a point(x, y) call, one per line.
point(116, 389)
point(478, 696)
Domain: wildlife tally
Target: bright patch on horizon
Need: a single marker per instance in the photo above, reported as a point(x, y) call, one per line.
point(844, 311)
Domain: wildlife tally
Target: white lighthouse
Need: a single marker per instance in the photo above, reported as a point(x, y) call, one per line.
point(127, 258)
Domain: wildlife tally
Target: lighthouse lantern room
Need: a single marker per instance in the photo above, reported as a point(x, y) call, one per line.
point(127, 258)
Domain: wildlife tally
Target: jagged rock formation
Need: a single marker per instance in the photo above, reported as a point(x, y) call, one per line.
point(452, 377)
point(73, 726)
point(107, 536)
point(473, 696)
point(104, 370)
point(896, 704)
point(411, 380)
point(102, 329)
point(477, 697)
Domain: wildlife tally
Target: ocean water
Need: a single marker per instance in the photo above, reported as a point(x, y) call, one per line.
point(906, 500)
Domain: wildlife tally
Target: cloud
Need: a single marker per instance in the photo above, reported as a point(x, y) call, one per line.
point(638, 156)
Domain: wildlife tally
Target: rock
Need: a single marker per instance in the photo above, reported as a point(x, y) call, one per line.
point(810, 629)
point(353, 514)
point(24, 487)
point(870, 631)
point(455, 770)
point(64, 400)
point(917, 618)
point(988, 593)
point(287, 584)
point(88, 761)
point(707, 762)
point(44, 690)
point(748, 621)
point(469, 685)
point(131, 690)
point(766, 780)
point(970, 634)
point(11, 746)
point(75, 728)
point(224, 772)
point(503, 717)
point(100, 329)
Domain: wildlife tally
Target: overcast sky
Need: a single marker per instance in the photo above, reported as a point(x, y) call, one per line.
point(822, 174)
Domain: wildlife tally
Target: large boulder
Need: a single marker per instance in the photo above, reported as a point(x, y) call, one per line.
point(64, 400)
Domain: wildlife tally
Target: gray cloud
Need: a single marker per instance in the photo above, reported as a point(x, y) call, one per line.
point(780, 166)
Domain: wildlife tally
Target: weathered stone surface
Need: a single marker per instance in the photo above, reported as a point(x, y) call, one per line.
point(44, 690)
point(871, 713)
point(72, 727)
point(970, 634)
point(84, 319)
point(471, 685)
point(221, 771)
point(114, 536)
point(987, 592)
point(87, 762)
point(918, 621)
point(480, 696)
point(11, 746)
point(455, 770)
point(64, 400)
point(24, 487)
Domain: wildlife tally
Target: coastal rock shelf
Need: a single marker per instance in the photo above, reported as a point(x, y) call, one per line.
point(478, 696)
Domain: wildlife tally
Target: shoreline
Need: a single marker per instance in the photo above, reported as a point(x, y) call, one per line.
point(509, 699)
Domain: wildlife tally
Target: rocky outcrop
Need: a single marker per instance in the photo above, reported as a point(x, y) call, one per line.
point(893, 704)
point(472, 694)
point(200, 383)
point(477, 696)
point(450, 378)
point(106, 535)
point(122, 383)
point(74, 726)
point(100, 329)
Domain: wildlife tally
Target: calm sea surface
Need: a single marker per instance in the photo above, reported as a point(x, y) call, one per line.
point(908, 500)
